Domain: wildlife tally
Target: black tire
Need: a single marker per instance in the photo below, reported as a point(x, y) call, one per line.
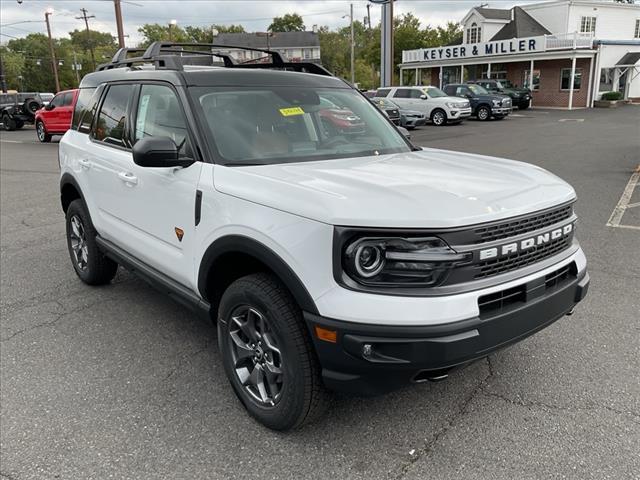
point(296, 395)
point(31, 105)
point(8, 123)
point(483, 113)
point(41, 132)
point(523, 106)
point(19, 124)
point(439, 117)
point(89, 263)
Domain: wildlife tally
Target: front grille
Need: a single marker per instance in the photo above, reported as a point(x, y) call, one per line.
point(497, 302)
point(521, 259)
point(528, 224)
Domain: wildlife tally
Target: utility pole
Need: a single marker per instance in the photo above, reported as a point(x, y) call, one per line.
point(75, 67)
point(86, 18)
point(369, 14)
point(54, 63)
point(116, 4)
point(3, 80)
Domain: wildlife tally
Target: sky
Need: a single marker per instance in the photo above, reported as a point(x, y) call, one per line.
point(253, 15)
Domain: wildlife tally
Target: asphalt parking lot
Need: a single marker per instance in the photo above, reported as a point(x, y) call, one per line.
point(121, 382)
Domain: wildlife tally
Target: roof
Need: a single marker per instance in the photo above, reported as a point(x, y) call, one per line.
point(630, 58)
point(523, 25)
point(275, 40)
point(494, 13)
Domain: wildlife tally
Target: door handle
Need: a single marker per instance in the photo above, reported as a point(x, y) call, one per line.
point(85, 163)
point(128, 177)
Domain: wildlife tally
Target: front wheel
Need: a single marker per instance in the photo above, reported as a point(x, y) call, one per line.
point(43, 136)
point(8, 123)
point(267, 353)
point(484, 113)
point(523, 106)
point(88, 261)
point(438, 117)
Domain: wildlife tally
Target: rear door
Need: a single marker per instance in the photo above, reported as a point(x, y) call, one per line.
point(52, 115)
point(65, 112)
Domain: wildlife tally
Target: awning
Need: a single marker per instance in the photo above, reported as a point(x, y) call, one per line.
point(628, 60)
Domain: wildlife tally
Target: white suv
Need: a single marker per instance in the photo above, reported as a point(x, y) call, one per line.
point(433, 102)
point(330, 259)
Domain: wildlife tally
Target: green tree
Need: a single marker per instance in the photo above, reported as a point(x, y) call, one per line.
point(154, 32)
point(289, 22)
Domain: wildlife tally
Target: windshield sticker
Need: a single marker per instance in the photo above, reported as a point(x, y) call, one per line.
point(288, 112)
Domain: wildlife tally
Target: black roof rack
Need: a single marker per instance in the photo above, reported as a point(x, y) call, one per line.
point(170, 56)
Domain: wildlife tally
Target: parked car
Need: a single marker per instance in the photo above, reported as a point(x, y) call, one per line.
point(339, 119)
point(433, 102)
point(389, 108)
point(357, 263)
point(55, 117)
point(484, 104)
point(16, 109)
point(369, 93)
point(411, 119)
point(520, 97)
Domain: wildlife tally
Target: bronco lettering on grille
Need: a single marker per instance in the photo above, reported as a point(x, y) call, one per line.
point(526, 244)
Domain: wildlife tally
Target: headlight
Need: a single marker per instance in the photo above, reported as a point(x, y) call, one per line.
point(497, 103)
point(452, 105)
point(400, 262)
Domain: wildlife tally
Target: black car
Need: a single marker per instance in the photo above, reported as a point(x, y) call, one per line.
point(389, 108)
point(16, 109)
point(484, 104)
point(520, 97)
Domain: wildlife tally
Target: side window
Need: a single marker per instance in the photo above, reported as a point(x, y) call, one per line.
point(382, 92)
point(402, 93)
point(58, 100)
point(111, 124)
point(68, 99)
point(462, 91)
point(85, 109)
point(415, 93)
point(159, 115)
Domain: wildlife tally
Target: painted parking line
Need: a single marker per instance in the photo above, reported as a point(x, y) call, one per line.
point(571, 120)
point(623, 204)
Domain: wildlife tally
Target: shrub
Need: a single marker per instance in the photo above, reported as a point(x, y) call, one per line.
point(612, 96)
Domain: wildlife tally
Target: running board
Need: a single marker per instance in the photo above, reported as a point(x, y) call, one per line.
point(156, 279)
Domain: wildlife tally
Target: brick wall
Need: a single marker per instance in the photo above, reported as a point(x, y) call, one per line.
point(550, 94)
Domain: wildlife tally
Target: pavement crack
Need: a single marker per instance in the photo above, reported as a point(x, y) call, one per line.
point(635, 418)
point(428, 447)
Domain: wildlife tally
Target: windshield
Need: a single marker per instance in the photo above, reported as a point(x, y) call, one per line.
point(268, 125)
point(506, 84)
point(46, 96)
point(434, 92)
point(478, 90)
point(384, 103)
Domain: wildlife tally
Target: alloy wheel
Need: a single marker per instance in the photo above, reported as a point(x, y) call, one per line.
point(41, 132)
point(438, 118)
point(483, 114)
point(256, 358)
point(78, 240)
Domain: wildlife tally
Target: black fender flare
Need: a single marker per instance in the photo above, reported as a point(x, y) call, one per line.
point(68, 179)
point(262, 253)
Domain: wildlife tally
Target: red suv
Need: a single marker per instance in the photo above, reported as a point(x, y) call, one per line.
point(55, 117)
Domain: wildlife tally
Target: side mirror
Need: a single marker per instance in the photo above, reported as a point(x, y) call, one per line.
point(49, 107)
point(158, 152)
point(423, 96)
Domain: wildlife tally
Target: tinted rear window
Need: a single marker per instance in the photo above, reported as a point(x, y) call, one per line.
point(112, 120)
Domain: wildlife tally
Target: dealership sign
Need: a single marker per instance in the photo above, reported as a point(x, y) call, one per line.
point(472, 50)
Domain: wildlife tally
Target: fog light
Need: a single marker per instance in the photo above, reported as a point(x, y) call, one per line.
point(367, 350)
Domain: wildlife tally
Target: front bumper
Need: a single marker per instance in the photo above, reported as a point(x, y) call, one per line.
point(501, 111)
point(413, 121)
point(459, 114)
point(369, 359)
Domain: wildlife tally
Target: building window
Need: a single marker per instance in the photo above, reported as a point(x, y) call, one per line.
point(307, 53)
point(587, 24)
point(473, 33)
point(536, 79)
point(636, 33)
point(565, 78)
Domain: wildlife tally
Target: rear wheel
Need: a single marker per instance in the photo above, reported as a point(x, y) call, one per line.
point(19, 124)
point(523, 106)
point(438, 117)
point(43, 136)
point(88, 261)
point(484, 113)
point(267, 353)
point(8, 123)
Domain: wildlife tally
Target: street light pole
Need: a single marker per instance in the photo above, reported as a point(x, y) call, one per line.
point(353, 49)
point(172, 24)
point(54, 64)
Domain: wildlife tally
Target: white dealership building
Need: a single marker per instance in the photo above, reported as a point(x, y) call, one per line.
point(547, 47)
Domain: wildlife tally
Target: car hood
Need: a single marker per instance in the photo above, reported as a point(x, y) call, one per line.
point(423, 189)
point(443, 100)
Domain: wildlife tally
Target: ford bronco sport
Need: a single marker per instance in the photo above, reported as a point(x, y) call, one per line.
point(329, 260)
